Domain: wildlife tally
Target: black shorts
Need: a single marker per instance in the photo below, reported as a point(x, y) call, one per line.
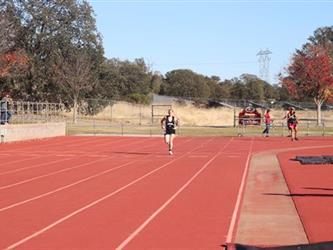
point(170, 131)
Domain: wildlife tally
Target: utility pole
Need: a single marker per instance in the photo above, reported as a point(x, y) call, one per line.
point(264, 60)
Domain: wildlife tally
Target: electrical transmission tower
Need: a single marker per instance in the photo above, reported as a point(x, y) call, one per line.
point(264, 59)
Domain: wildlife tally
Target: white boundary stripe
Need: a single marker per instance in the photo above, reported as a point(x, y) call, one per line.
point(239, 196)
point(240, 193)
point(43, 230)
point(174, 196)
point(65, 187)
point(50, 174)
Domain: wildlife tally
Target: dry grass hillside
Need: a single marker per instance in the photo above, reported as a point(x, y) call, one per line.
point(188, 114)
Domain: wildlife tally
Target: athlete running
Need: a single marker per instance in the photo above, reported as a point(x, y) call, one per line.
point(292, 122)
point(287, 115)
point(169, 124)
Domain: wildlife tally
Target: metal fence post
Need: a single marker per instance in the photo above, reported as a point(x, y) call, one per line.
point(140, 118)
point(234, 117)
point(94, 126)
point(110, 112)
point(2, 134)
point(152, 114)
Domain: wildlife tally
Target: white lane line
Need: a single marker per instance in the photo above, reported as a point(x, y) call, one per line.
point(49, 174)
point(30, 167)
point(239, 196)
point(42, 176)
point(65, 187)
point(43, 230)
point(174, 196)
point(25, 159)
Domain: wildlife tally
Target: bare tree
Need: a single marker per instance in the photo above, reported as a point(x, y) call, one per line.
point(75, 74)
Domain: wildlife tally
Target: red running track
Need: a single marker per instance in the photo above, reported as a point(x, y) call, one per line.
point(126, 192)
point(112, 192)
point(311, 188)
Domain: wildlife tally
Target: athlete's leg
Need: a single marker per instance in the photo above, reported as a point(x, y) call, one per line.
point(266, 131)
point(167, 138)
point(172, 137)
point(295, 133)
point(290, 130)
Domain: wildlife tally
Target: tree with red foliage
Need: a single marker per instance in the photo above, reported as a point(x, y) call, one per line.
point(310, 74)
point(11, 60)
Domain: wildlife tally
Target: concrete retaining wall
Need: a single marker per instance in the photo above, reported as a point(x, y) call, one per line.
point(20, 132)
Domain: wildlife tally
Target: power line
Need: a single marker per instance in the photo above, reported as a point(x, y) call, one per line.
point(212, 1)
point(204, 63)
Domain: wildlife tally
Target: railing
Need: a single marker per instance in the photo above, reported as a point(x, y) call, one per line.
point(137, 120)
point(33, 112)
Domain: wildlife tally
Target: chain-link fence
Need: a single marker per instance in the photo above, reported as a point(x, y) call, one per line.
point(123, 118)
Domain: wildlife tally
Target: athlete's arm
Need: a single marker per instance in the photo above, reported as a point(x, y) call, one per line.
point(176, 122)
point(162, 122)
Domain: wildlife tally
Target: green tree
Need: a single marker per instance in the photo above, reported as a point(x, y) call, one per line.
point(238, 90)
point(254, 87)
point(217, 90)
point(126, 80)
point(49, 28)
point(322, 36)
point(186, 83)
point(156, 82)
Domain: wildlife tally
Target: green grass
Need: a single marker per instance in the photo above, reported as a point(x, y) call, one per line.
point(74, 129)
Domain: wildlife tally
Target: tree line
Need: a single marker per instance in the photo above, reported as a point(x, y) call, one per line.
point(51, 50)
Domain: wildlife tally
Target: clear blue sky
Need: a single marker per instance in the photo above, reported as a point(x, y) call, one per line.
point(213, 37)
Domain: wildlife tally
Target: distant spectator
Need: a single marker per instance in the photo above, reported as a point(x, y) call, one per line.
point(4, 107)
point(268, 122)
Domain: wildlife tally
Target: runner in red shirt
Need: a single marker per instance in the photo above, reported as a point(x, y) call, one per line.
point(268, 122)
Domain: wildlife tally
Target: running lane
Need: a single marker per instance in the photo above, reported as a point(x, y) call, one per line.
point(187, 203)
point(27, 218)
